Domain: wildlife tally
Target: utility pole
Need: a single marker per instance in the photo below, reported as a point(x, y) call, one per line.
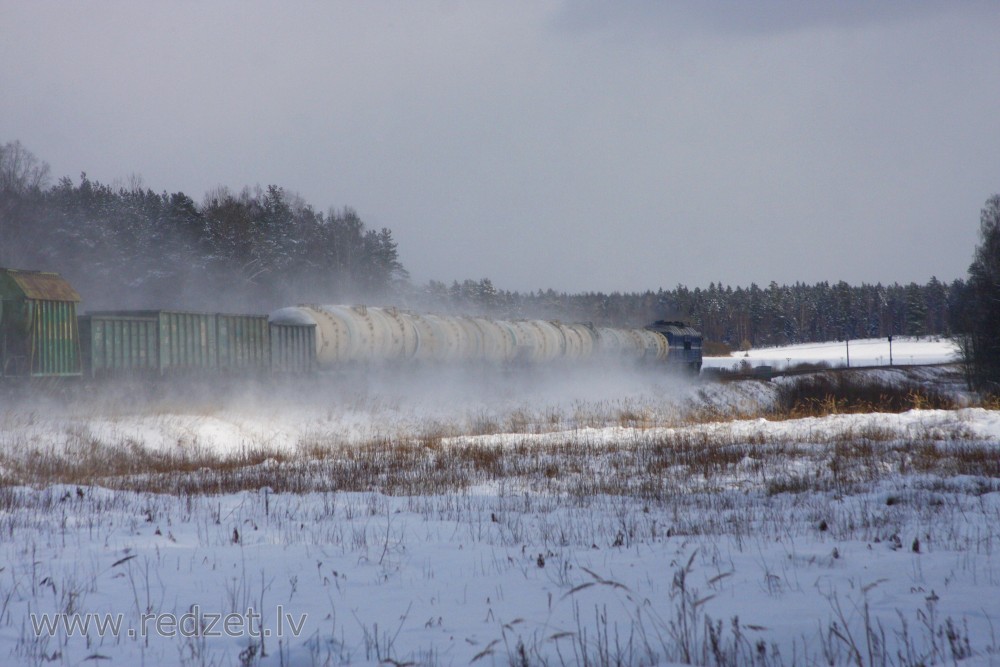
point(847, 342)
point(890, 350)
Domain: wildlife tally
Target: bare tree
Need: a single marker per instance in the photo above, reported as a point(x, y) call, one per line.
point(20, 171)
point(21, 176)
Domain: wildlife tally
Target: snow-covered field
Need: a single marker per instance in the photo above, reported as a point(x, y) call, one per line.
point(906, 351)
point(575, 519)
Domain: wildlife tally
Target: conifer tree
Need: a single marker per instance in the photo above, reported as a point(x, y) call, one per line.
point(981, 312)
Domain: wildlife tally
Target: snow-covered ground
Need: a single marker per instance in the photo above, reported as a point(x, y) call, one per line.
point(906, 351)
point(845, 539)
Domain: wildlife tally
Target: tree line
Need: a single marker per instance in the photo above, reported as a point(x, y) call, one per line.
point(126, 246)
point(740, 317)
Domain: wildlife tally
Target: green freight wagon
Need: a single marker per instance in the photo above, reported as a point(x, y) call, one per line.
point(138, 342)
point(293, 348)
point(244, 343)
point(120, 344)
point(38, 327)
point(188, 341)
point(161, 342)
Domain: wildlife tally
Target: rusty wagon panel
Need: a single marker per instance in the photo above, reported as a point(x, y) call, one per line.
point(38, 327)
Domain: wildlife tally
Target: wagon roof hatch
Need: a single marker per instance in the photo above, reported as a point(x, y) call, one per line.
point(39, 285)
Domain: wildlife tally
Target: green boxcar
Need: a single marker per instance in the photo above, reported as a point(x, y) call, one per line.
point(160, 342)
point(136, 342)
point(120, 344)
point(293, 348)
point(38, 328)
point(188, 341)
point(244, 343)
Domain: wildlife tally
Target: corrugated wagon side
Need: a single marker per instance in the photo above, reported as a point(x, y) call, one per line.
point(38, 328)
point(244, 343)
point(120, 344)
point(188, 341)
point(293, 348)
point(174, 343)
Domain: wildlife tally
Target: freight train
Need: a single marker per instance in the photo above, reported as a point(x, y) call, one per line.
point(42, 336)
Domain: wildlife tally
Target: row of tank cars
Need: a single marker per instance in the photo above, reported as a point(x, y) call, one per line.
point(41, 335)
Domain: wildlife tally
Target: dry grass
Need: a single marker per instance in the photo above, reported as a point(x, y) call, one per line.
point(711, 348)
point(824, 394)
point(661, 452)
point(655, 465)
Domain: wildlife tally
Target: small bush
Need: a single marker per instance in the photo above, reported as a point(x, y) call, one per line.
point(713, 348)
point(834, 393)
point(808, 366)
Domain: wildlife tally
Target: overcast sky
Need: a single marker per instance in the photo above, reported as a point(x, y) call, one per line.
point(578, 145)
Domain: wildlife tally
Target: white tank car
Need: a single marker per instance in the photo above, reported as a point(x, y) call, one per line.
point(347, 335)
point(580, 341)
point(638, 344)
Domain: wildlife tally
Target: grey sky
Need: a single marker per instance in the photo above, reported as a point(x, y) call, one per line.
point(581, 145)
